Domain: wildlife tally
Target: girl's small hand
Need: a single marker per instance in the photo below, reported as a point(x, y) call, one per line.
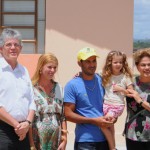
point(77, 75)
point(117, 88)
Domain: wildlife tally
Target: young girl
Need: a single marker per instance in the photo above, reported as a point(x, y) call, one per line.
point(116, 78)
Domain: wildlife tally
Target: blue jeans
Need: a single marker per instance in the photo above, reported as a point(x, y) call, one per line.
point(91, 146)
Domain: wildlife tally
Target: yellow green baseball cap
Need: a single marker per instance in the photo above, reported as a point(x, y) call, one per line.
point(85, 53)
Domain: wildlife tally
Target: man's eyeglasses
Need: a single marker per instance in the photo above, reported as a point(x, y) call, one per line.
point(9, 45)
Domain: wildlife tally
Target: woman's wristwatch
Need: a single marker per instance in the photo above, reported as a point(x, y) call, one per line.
point(141, 102)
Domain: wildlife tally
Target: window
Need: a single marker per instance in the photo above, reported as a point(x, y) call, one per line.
point(27, 16)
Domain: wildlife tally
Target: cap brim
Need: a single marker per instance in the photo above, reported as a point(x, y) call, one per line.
point(89, 57)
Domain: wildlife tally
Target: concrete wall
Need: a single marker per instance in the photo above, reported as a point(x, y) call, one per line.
point(72, 25)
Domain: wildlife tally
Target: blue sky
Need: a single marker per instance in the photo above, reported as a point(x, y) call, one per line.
point(141, 19)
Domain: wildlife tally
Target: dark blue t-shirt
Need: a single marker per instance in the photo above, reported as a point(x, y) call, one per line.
point(88, 103)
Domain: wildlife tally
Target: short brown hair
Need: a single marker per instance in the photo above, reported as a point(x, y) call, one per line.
point(139, 54)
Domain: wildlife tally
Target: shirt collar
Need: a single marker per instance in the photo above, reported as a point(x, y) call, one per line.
point(4, 64)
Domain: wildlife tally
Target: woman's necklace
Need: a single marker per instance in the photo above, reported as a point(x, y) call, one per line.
point(48, 89)
point(90, 88)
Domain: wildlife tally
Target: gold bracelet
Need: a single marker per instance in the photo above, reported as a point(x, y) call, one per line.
point(63, 138)
point(64, 131)
point(32, 148)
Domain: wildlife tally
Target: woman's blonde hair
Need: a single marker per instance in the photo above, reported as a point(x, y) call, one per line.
point(139, 54)
point(43, 60)
point(107, 69)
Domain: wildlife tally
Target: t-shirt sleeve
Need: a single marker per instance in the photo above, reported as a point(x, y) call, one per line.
point(128, 81)
point(69, 93)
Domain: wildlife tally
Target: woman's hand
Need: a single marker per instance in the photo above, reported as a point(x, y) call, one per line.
point(63, 143)
point(138, 99)
point(134, 94)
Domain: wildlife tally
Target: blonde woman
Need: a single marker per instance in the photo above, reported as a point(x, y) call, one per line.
point(49, 123)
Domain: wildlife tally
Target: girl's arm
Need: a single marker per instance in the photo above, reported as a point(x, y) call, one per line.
point(120, 89)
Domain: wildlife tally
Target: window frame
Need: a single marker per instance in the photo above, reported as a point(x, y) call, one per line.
point(34, 27)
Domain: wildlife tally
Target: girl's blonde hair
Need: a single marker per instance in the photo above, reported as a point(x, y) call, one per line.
point(107, 70)
point(43, 60)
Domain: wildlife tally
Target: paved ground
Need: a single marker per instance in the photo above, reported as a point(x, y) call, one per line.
point(120, 142)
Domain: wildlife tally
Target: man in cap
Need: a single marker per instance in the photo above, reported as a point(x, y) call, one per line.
point(83, 99)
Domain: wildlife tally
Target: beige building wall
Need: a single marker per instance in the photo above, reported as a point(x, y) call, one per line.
point(72, 25)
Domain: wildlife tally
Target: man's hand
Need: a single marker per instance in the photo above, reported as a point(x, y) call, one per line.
point(22, 129)
point(102, 122)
